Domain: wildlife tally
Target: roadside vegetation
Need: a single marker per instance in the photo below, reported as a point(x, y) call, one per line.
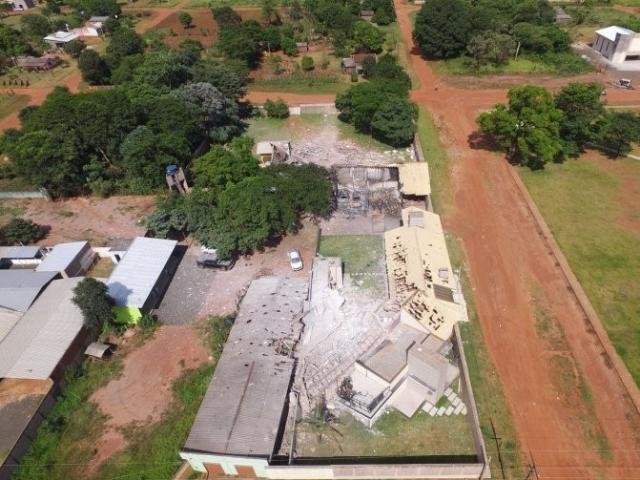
point(65, 441)
point(537, 128)
point(495, 36)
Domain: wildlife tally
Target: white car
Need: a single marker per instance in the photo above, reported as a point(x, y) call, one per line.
point(294, 260)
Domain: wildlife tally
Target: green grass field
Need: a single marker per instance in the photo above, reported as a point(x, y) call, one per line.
point(393, 434)
point(592, 208)
point(302, 83)
point(361, 254)
point(436, 158)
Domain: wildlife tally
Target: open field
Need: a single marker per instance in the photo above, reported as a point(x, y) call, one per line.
point(362, 258)
point(393, 434)
point(204, 28)
point(596, 17)
point(592, 205)
point(74, 433)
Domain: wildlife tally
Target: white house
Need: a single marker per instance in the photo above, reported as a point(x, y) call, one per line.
point(618, 45)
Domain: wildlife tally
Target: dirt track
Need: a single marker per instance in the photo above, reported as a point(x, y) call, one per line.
point(510, 264)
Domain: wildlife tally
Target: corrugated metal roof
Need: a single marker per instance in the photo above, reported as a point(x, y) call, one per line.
point(612, 32)
point(8, 318)
point(37, 343)
point(18, 252)
point(62, 255)
point(414, 178)
point(133, 279)
point(19, 288)
point(244, 404)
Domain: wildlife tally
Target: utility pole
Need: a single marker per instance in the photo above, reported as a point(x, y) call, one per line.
point(497, 440)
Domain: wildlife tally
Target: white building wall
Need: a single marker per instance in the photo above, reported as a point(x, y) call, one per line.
point(228, 463)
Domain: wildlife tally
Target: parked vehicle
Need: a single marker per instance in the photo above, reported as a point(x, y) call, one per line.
point(295, 260)
point(209, 259)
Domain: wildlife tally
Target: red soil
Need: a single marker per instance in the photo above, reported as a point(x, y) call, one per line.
point(508, 259)
point(143, 392)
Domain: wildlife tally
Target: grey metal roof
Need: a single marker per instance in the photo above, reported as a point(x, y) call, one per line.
point(20, 252)
point(19, 288)
point(244, 404)
point(62, 255)
point(36, 344)
point(8, 318)
point(133, 279)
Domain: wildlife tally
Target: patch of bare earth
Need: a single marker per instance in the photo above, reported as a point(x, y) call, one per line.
point(88, 218)
point(144, 390)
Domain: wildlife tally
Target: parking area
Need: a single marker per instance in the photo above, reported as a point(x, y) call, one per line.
point(198, 292)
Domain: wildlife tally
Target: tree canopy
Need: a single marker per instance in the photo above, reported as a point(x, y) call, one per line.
point(90, 295)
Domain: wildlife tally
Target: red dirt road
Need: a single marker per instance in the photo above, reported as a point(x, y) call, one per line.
point(509, 261)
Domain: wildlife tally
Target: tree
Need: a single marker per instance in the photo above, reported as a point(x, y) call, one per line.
point(528, 128)
point(582, 107)
point(386, 68)
point(218, 114)
point(162, 68)
point(442, 28)
point(270, 11)
point(243, 42)
point(124, 42)
point(289, 46)
point(618, 131)
point(12, 42)
point(277, 108)
point(222, 167)
point(368, 37)
point(307, 63)
point(35, 26)
point(185, 19)
point(93, 67)
point(89, 8)
point(90, 295)
point(74, 48)
point(226, 16)
point(228, 76)
point(21, 231)
point(394, 123)
point(491, 47)
point(170, 216)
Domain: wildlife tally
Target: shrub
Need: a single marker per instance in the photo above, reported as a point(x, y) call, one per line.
point(277, 108)
point(307, 64)
point(289, 46)
point(19, 230)
point(90, 295)
point(74, 48)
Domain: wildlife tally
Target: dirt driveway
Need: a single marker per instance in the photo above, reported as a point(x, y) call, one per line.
point(226, 288)
point(143, 392)
point(509, 264)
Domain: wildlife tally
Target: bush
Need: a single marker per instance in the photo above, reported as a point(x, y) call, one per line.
point(19, 230)
point(307, 64)
point(277, 108)
point(90, 295)
point(74, 48)
point(289, 46)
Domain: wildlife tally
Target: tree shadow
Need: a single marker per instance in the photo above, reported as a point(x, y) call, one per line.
point(482, 141)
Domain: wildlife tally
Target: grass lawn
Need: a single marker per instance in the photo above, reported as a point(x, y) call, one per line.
point(51, 78)
point(12, 103)
point(393, 434)
point(302, 83)
point(102, 268)
point(598, 17)
point(361, 254)
point(65, 441)
point(555, 64)
point(490, 399)
point(592, 208)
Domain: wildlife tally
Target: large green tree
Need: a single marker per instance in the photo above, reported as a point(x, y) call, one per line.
point(90, 295)
point(582, 107)
point(618, 131)
point(368, 37)
point(21, 231)
point(394, 123)
point(95, 70)
point(222, 167)
point(528, 128)
point(442, 28)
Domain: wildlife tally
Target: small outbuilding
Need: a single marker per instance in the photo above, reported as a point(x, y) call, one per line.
point(302, 47)
point(69, 259)
point(620, 46)
point(348, 65)
point(273, 152)
point(19, 5)
point(37, 64)
point(29, 256)
point(367, 15)
point(60, 38)
point(144, 273)
point(562, 17)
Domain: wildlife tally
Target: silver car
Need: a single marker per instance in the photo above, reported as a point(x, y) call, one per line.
point(295, 260)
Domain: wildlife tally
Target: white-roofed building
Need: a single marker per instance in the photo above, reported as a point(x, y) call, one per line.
point(143, 274)
point(620, 46)
point(69, 259)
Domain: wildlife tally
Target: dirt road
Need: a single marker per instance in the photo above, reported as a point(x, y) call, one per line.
point(515, 281)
